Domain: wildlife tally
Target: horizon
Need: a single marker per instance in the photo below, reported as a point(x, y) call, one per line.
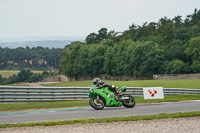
point(50, 42)
point(40, 38)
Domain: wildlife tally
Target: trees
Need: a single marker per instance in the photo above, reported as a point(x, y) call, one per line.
point(177, 67)
point(91, 38)
point(102, 35)
point(69, 61)
point(168, 46)
point(193, 52)
point(165, 29)
point(83, 60)
point(25, 75)
point(193, 49)
point(94, 38)
point(153, 60)
point(118, 59)
point(175, 50)
point(2, 80)
point(35, 58)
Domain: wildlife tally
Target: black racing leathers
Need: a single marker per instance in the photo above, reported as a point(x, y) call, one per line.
point(104, 84)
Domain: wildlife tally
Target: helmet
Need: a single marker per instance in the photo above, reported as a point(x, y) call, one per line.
point(96, 81)
point(112, 86)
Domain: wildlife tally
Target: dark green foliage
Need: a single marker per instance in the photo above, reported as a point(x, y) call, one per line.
point(83, 60)
point(2, 80)
point(94, 38)
point(171, 46)
point(34, 58)
point(23, 75)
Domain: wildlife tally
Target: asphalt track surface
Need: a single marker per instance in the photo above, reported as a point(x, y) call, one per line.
point(88, 112)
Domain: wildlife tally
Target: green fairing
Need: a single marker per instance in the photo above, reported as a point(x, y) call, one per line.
point(122, 89)
point(107, 94)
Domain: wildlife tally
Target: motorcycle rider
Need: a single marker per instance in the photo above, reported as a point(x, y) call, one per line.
point(100, 84)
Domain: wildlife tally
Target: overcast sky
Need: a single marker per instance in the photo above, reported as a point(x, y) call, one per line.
point(82, 17)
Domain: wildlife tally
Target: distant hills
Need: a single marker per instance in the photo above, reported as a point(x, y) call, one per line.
point(50, 42)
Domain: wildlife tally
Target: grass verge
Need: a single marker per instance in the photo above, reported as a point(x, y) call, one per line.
point(93, 120)
point(184, 83)
point(42, 105)
point(64, 104)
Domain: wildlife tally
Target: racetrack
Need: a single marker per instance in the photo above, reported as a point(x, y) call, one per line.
point(88, 112)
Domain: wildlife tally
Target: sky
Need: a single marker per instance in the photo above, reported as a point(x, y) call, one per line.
point(74, 18)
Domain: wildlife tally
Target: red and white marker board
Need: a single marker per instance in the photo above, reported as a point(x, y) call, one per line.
point(153, 93)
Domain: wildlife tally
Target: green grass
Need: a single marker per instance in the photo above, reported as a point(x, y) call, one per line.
point(42, 105)
point(184, 83)
point(8, 73)
point(103, 120)
point(64, 104)
point(168, 99)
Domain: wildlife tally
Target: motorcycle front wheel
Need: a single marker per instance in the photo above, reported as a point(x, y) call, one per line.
point(95, 104)
point(129, 102)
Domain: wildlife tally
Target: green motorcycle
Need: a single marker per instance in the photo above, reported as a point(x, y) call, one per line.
point(104, 97)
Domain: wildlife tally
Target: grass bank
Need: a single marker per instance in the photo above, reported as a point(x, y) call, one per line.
point(8, 73)
point(64, 104)
point(184, 83)
point(93, 120)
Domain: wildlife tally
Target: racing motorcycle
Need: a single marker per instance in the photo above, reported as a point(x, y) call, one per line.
point(104, 97)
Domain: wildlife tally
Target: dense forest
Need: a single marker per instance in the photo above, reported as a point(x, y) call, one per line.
point(169, 46)
point(37, 58)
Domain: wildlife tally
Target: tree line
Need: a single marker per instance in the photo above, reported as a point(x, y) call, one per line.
point(169, 46)
point(25, 75)
point(38, 58)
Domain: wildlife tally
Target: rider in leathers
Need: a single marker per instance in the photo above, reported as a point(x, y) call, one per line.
point(100, 84)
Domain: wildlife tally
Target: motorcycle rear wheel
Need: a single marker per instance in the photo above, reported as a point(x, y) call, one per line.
point(95, 104)
point(128, 103)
